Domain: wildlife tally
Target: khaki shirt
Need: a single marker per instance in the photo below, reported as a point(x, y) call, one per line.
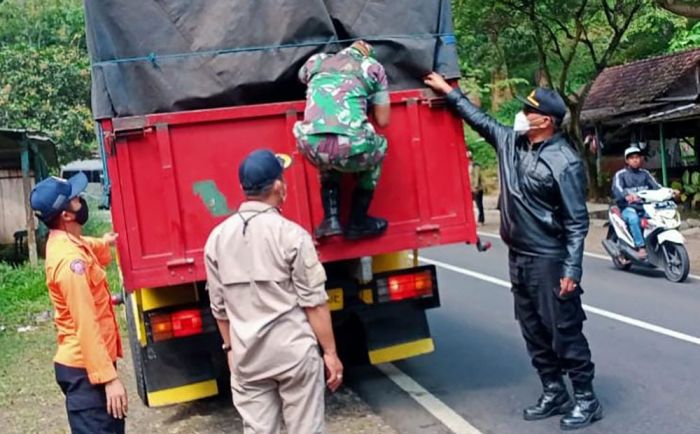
point(260, 275)
point(475, 177)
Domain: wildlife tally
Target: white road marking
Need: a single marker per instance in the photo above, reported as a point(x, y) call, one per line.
point(448, 417)
point(591, 309)
point(451, 419)
point(489, 234)
point(589, 254)
point(596, 256)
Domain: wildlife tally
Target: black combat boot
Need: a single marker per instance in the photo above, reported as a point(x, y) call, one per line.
point(330, 197)
point(586, 411)
point(554, 400)
point(362, 225)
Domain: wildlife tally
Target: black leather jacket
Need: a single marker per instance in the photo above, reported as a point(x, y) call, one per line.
point(543, 190)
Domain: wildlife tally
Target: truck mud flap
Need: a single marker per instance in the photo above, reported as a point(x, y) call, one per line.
point(182, 370)
point(396, 331)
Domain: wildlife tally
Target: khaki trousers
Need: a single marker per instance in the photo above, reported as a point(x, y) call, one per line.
point(295, 396)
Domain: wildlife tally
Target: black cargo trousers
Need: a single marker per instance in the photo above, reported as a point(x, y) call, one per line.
point(551, 325)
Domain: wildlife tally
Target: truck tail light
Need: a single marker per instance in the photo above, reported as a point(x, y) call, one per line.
point(186, 323)
point(161, 327)
point(405, 286)
point(175, 325)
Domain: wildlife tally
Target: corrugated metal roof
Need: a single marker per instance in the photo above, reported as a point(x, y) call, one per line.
point(11, 147)
point(688, 111)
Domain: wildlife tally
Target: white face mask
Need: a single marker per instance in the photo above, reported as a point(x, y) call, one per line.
point(521, 125)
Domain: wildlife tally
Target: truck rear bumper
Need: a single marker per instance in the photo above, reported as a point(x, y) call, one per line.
point(384, 320)
point(396, 331)
point(182, 370)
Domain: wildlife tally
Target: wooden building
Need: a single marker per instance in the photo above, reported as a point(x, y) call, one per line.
point(25, 158)
point(653, 103)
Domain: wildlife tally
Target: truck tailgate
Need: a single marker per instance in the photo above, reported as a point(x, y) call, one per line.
point(174, 176)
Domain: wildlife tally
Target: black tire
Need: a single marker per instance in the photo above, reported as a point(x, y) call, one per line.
point(136, 352)
point(678, 268)
point(621, 266)
point(352, 341)
point(612, 236)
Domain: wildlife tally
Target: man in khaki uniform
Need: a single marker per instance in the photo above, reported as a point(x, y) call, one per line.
point(267, 291)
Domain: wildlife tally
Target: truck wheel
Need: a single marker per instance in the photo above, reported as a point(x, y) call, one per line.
point(676, 262)
point(136, 354)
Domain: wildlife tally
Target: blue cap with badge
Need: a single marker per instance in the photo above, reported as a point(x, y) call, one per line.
point(53, 194)
point(260, 169)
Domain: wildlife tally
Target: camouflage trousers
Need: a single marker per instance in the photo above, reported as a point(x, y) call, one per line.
point(333, 155)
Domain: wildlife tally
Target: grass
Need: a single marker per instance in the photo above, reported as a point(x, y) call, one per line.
point(23, 294)
point(25, 365)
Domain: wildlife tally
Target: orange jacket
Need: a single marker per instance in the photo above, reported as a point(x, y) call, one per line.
point(88, 336)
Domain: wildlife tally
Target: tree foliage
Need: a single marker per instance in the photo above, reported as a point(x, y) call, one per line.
point(686, 39)
point(45, 73)
point(563, 44)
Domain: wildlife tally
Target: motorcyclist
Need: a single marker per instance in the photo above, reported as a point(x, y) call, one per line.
point(625, 186)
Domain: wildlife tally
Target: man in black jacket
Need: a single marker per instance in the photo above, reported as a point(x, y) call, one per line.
point(544, 222)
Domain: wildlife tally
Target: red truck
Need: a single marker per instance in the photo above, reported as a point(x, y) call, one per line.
point(173, 178)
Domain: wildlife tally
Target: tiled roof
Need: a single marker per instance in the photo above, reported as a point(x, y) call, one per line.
point(633, 85)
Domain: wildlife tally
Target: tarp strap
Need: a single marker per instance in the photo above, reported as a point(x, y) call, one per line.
point(153, 58)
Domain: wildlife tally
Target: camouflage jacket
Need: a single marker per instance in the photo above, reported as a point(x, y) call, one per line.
point(339, 89)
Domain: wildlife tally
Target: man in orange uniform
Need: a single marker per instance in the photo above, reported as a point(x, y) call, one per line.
point(88, 336)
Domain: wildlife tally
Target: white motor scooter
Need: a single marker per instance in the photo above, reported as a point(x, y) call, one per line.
point(664, 243)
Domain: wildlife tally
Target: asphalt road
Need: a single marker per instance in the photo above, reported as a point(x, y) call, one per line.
point(646, 380)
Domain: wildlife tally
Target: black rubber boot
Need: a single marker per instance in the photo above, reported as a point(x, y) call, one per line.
point(362, 225)
point(555, 400)
point(586, 411)
point(330, 197)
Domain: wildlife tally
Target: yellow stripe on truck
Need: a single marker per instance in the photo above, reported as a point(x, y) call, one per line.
point(335, 299)
point(156, 298)
point(401, 351)
point(138, 318)
point(391, 262)
point(180, 394)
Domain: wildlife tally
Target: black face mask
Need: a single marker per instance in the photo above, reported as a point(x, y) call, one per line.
point(82, 215)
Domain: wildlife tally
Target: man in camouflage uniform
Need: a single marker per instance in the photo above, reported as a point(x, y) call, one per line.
point(337, 137)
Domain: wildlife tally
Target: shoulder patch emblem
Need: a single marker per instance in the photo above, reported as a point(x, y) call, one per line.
point(78, 266)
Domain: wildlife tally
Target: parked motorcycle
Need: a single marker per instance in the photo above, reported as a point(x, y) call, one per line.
point(664, 242)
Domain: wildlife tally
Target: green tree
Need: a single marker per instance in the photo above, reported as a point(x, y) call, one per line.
point(650, 34)
point(563, 44)
point(45, 73)
point(686, 39)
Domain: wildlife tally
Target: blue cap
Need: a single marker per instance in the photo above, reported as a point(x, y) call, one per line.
point(260, 169)
point(545, 101)
point(51, 196)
